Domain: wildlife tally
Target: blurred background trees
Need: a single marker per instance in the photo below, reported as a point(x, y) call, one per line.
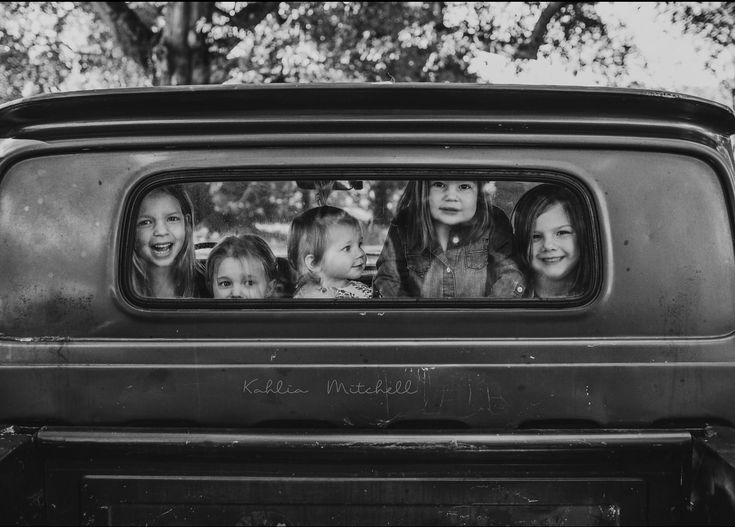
point(52, 46)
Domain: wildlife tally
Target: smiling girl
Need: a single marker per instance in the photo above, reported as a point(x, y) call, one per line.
point(325, 250)
point(448, 242)
point(552, 236)
point(164, 265)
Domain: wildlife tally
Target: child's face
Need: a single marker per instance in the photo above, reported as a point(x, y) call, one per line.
point(453, 202)
point(344, 258)
point(554, 251)
point(240, 278)
point(160, 230)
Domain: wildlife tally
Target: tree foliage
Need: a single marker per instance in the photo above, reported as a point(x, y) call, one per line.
point(96, 44)
point(715, 21)
point(57, 46)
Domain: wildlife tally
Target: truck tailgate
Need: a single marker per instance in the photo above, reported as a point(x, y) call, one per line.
point(270, 477)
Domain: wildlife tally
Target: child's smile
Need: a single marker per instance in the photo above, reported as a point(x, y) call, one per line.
point(160, 230)
point(555, 253)
point(161, 250)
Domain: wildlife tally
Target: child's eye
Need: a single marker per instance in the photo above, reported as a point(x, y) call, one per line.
point(438, 184)
point(564, 233)
point(174, 218)
point(347, 248)
point(537, 237)
point(224, 283)
point(144, 222)
point(250, 283)
point(466, 186)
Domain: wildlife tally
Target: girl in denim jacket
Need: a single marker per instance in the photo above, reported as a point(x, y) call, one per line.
point(448, 242)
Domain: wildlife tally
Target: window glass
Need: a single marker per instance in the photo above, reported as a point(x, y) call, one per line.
point(362, 240)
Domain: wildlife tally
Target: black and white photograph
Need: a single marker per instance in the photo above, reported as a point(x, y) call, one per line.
point(367, 263)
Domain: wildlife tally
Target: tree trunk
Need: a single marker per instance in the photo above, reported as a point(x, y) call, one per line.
point(381, 188)
point(182, 55)
point(529, 49)
point(133, 36)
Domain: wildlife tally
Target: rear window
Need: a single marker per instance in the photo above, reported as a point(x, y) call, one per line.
point(264, 239)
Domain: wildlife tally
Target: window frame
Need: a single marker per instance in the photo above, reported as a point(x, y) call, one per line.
point(365, 173)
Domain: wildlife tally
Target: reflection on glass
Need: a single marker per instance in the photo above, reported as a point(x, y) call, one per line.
point(358, 239)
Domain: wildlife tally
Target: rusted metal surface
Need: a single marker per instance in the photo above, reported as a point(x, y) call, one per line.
point(22, 501)
point(641, 249)
point(221, 476)
point(712, 499)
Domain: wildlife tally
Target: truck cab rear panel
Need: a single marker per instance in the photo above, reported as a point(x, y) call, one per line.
point(591, 409)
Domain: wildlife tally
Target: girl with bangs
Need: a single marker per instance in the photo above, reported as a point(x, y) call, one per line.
point(447, 241)
point(164, 263)
point(553, 236)
point(243, 267)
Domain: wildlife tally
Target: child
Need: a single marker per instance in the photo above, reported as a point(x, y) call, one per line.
point(448, 242)
point(242, 267)
point(325, 250)
point(552, 236)
point(164, 264)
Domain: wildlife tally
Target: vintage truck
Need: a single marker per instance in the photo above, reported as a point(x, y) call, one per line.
point(614, 406)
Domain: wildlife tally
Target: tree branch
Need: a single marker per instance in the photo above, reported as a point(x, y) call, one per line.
point(252, 14)
point(529, 49)
point(135, 37)
point(437, 9)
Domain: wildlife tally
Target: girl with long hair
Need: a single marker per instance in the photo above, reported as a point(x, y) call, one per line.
point(552, 233)
point(447, 241)
point(164, 264)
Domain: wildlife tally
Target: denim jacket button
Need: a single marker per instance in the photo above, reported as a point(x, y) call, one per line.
point(449, 269)
point(455, 240)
